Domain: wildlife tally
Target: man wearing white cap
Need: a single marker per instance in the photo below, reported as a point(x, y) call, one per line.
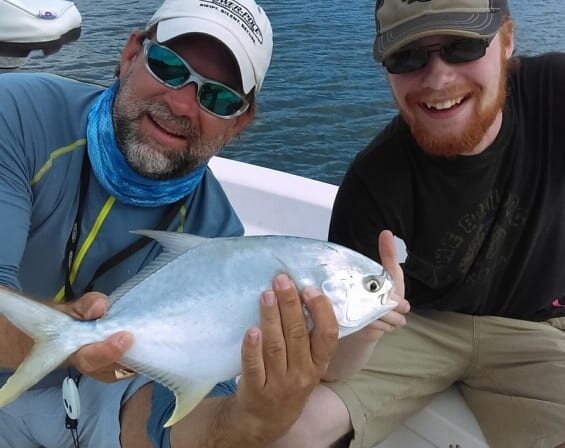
point(471, 176)
point(80, 167)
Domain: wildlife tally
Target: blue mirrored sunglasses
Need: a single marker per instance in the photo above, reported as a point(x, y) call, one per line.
point(172, 70)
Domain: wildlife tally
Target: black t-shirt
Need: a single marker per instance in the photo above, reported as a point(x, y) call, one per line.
point(485, 234)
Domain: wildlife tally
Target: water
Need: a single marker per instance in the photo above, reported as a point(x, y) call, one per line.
point(324, 97)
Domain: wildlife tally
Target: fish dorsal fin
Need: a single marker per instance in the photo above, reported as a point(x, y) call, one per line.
point(160, 261)
point(173, 243)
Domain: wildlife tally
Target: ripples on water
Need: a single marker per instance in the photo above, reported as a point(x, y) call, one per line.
point(324, 97)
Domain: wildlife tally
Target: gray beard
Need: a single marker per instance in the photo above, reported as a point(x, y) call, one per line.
point(154, 161)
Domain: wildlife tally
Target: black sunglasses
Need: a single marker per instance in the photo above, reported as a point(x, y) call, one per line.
point(172, 70)
point(454, 52)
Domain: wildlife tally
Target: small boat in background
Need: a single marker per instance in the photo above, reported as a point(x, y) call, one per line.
point(29, 25)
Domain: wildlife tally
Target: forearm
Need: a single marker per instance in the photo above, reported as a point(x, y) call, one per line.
point(351, 355)
point(218, 422)
point(14, 345)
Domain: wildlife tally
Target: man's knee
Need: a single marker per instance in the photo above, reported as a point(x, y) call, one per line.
point(313, 429)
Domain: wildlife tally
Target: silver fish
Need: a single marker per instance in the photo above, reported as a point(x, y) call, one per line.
point(189, 309)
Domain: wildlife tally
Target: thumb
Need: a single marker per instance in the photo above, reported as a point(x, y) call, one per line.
point(389, 260)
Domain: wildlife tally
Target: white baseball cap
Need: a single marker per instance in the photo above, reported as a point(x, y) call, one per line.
point(241, 25)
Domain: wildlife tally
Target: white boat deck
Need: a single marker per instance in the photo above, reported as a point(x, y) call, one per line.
point(274, 202)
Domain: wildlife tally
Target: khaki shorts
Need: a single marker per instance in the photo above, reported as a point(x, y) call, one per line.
point(510, 372)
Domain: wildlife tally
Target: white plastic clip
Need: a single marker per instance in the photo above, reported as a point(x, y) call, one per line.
point(71, 399)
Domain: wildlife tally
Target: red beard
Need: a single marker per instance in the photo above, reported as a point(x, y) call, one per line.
point(450, 145)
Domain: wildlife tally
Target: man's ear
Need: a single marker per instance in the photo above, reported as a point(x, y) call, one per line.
point(510, 48)
point(131, 51)
point(509, 40)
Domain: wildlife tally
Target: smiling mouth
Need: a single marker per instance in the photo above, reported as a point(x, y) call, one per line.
point(444, 105)
point(161, 124)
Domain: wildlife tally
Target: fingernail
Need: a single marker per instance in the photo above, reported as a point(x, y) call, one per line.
point(123, 341)
point(90, 312)
point(282, 281)
point(94, 311)
point(253, 336)
point(269, 298)
point(310, 293)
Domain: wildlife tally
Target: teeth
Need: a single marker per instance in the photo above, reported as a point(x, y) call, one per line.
point(444, 104)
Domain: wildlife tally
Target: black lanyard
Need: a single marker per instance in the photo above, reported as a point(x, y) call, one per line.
point(72, 242)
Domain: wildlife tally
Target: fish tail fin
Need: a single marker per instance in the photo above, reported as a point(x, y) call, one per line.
point(42, 360)
point(46, 326)
point(186, 400)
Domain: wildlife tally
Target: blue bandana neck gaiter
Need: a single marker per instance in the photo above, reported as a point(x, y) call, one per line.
point(114, 173)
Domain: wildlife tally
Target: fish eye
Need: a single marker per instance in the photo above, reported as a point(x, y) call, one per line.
point(372, 284)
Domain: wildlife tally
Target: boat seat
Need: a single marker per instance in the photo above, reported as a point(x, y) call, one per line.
point(446, 422)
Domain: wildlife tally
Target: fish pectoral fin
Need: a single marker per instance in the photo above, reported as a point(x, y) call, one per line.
point(186, 400)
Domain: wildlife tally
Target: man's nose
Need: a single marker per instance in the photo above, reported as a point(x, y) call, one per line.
point(184, 101)
point(437, 73)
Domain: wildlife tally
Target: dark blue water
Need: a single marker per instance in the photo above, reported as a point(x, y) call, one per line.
point(324, 97)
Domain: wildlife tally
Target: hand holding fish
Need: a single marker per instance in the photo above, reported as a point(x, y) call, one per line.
point(354, 350)
point(283, 362)
point(281, 365)
point(397, 317)
point(97, 360)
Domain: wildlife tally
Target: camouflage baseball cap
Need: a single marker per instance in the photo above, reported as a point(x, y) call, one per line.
point(400, 22)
